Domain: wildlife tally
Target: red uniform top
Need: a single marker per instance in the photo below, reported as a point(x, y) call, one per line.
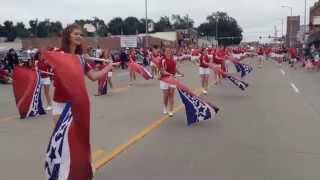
point(169, 65)
point(43, 66)
point(195, 52)
point(292, 52)
point(221, 55)
point(60, 94)
point(260, 51)
point(133, 58)
point(204, 58)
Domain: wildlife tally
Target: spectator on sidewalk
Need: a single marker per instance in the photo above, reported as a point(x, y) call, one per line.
point(123, 59)
point(11, 60)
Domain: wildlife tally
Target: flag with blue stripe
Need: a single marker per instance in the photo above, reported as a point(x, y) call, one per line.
point(196, 109)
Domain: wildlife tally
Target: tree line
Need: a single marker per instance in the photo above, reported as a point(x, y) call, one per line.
point(217, 23)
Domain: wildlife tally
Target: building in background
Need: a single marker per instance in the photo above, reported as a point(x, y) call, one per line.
point(314, 26)
point(293, 26)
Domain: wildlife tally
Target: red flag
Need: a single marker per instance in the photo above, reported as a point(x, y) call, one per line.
point(76, 152)
point(27, 92)
point(135, 67)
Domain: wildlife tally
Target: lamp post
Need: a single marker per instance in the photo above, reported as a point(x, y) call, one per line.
point(217, 33)
point(291, 8)
point(146, 8)
point(305, 20)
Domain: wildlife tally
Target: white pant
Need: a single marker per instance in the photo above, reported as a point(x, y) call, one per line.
point(57, 108)
point(166, 86)
point(194, 58)
point(109, 74)
point(204, 71)
point(45, 81)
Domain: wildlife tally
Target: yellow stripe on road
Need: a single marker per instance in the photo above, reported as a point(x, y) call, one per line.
point(8, 119)
point(117, 90)
point(118, 150)
point(96, 155)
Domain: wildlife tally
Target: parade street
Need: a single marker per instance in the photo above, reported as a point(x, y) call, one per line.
point(268, 132)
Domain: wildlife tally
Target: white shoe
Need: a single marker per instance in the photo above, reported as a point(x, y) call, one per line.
point(165, 111)
point(205, 92)
point(171, 114)
point(49, 108)
point(93, 170)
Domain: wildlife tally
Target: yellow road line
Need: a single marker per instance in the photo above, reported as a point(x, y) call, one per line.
point(98, 154)
point(8, 119)
point(118, 150)
point(117, 90)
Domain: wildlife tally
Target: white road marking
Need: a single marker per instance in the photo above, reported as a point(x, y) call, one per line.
point(283, 72)
point(294, 87)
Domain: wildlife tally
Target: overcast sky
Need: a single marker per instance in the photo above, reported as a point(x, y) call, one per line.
point(256, 17)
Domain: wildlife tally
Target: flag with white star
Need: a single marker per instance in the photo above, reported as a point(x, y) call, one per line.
point(68, 155)
point(197, 110)
point(27, 92)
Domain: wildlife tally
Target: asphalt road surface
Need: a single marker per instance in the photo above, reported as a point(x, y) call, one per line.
point(269, 132)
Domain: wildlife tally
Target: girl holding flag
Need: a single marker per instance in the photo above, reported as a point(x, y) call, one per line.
point(168, 69)
point(155, 61)
point(106, 55)
point(72, 43)
point(45, 79)
point(204, 70)
point(132, 58)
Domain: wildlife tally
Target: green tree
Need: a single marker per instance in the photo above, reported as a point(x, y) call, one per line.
point(21, 30)
point(55, 28)
point(33, 27)
point(131, 26)
point(184, 22)
point(142, 28)
point(43, 28)
point(2, 31)
point(9, 31)
point(229, 32)
point(163, 24)
point(116, 26)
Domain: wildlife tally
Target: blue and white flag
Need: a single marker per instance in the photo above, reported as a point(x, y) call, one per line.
point(241, 84)
point(244, 69)
point(196, 109)
point(57, 165)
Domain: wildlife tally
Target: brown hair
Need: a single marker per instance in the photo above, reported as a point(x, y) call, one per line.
point(65, 42)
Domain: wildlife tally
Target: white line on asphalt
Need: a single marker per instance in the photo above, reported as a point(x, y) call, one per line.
point(294, 87)
point(283, 72)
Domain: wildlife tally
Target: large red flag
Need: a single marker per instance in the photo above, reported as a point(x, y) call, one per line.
point(27, 92)
point(68, 153)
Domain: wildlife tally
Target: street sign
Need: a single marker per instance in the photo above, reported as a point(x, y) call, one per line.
point(129, 41)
